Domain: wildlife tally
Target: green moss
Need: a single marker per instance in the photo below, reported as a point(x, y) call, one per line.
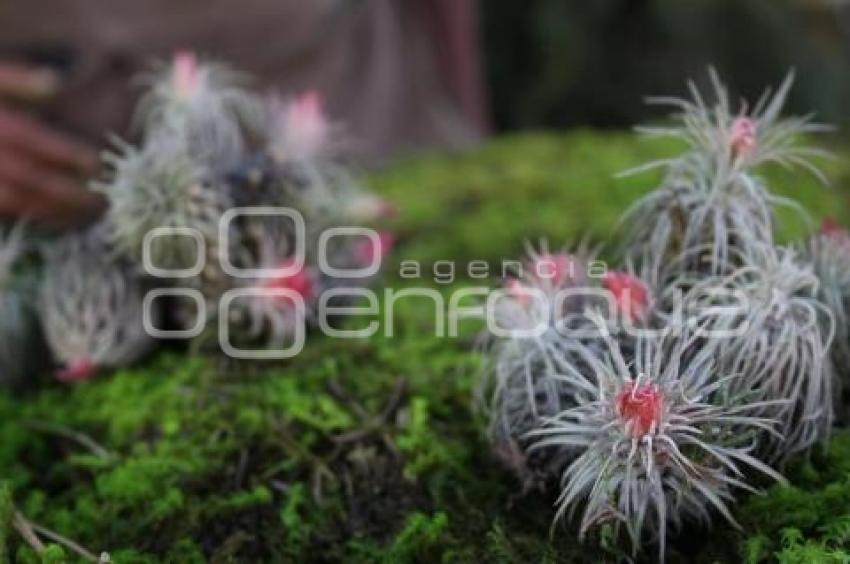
point(369, 450)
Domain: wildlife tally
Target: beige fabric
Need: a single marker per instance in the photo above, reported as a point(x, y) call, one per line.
point(373, 60)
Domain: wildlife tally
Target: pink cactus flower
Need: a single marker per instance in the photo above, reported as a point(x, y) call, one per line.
point(185, 73)
point(742, 137)
point(302, 282)
point(831, 229)
point(78, 370)
point(558, 268)
point(639, 407)
point(368, 253)
point(518, 291)
point(630, 294)
point(307, 128)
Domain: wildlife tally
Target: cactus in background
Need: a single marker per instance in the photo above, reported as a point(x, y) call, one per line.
point(160, 185)
point(91, 306)
point(18, 327)
point(829, 254)
point(203, 105)
point(712, 209)
point(194, 165)
point(309, 173)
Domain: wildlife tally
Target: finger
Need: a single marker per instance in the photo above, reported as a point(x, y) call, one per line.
point(25, 82)
point(55, 206)
point(68, 201)
point(28, 135)
point(10, 205)
point(44, 193)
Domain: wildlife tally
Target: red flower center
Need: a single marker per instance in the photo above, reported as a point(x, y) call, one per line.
point(76, 371)
point(639, 408)
point(300, 282)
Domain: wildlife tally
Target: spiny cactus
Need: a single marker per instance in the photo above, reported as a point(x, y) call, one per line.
point(161, 186)
point(91, 306)
point(204, 105)
point(533, 376)
point(309, 175)
point(659, 440)
point(712, 207)
point(777, 337)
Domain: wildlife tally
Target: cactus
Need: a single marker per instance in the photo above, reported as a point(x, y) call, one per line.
point(159, 185)
point(829, 254)
point(659, 440)
point(91, 306)
point(527, 379)
point(779, 338)
point(710, 355)
point(203, 105)
point(712, 208)
point(309, 173)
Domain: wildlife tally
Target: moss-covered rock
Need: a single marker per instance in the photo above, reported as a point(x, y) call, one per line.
point(369, 450)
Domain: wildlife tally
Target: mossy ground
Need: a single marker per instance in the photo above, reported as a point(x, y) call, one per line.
point(370, 450)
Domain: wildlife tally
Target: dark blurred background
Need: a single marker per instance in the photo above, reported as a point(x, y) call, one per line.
point(402, 75)
point(563, 63)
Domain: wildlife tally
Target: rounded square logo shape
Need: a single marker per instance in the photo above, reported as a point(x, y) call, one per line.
point(261, 354)
point(191, 293)
point(165, 231)
point(349, 231)
point(293, 266)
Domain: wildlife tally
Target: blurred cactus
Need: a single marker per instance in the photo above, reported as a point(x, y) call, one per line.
point(203, 105)
point(194, 164)
point(160, 186)
point(91, 306)
point(829, 254)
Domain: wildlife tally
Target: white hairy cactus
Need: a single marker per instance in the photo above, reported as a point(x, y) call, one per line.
point(204, 105)
point(769, 327)
point(160, 186)
point(829, 254)
point(712, 207)
point(91, 306)
point(658, 441)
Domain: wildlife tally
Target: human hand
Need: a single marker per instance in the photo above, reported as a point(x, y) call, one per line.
point(42, 171)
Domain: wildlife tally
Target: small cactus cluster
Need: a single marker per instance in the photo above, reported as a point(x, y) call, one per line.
point(659, 390)
point(208, 145)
